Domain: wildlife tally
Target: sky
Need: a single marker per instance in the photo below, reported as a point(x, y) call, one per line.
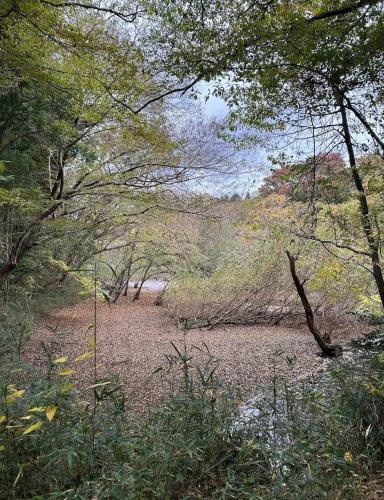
point(241, 183)
point(214, 106)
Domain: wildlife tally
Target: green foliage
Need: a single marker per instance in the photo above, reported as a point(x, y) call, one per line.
point(203, 442)
point(245, 250)
point(16, 325)
point(332, 424)
point(49, 442)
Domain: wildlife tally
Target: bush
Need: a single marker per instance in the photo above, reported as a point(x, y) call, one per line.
point(49, 440)
point(327, 436)
point(190, 447)
point(323, 439)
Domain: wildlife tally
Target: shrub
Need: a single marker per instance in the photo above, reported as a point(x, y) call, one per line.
point(321, 439)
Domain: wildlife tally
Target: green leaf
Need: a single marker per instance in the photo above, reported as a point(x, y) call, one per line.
point(66, 387)
point(15, 395)
point(86, 355)
point(101, 384)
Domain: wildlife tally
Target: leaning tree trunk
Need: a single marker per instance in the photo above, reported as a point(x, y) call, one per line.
point(19, 250)
point(143, 280)
point(25, 243)
point(124, 284)
point(331, 350)
point(373, 242)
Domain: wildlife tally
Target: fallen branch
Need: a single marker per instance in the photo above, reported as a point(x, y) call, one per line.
point(237, 306)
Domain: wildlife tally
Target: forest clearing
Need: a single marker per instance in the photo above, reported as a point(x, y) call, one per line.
point(134, 341)
point(191, 249)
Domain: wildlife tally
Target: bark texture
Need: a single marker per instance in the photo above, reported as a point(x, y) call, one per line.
point(327, 349)
point(372, 240)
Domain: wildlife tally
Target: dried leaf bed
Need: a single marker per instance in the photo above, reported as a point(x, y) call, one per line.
point(133, 340)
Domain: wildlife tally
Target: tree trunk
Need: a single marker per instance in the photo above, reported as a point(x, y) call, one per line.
point(331, 350)
point(25, 243)
point(17, 253)
point(373, 242)
point(137, 294)
point(123, 287)
point(125, 290)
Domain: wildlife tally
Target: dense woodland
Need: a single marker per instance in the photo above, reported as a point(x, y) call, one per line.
point(113, 176)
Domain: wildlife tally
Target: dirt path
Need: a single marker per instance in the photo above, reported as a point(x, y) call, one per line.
point(133, 340)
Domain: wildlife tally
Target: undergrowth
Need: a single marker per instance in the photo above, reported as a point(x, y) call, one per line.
point(321, 439)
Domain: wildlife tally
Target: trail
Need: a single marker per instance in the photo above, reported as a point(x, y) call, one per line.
point(133, 340)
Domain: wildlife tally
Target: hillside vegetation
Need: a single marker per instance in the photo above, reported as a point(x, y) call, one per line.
point(114, 177)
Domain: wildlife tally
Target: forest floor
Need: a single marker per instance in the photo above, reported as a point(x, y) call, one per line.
point(134, 340)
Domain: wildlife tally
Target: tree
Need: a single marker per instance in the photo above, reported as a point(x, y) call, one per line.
point(82, 128)
point(326, 348)
point(288, 71)
point(323, 178)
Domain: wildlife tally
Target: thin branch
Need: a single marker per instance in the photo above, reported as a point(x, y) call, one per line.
point(330, 242)
point(183, 90)
point(129, 17)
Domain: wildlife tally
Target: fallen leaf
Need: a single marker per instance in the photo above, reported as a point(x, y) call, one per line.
point(65, 371)
point(61, 359)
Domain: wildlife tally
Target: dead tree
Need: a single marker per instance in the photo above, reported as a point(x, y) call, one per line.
point(331, 350)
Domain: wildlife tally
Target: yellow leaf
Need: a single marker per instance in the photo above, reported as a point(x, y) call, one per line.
point(50, 412)
point(2, 447)
point(62, 359)
point(65, 371)
point(36, 425)
point(91, 341)
point(37, 408)
point(16, 394)
point(27, 417)
point(348, 457)
point(66, 387)
point(86, 355)
point(3, 418)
